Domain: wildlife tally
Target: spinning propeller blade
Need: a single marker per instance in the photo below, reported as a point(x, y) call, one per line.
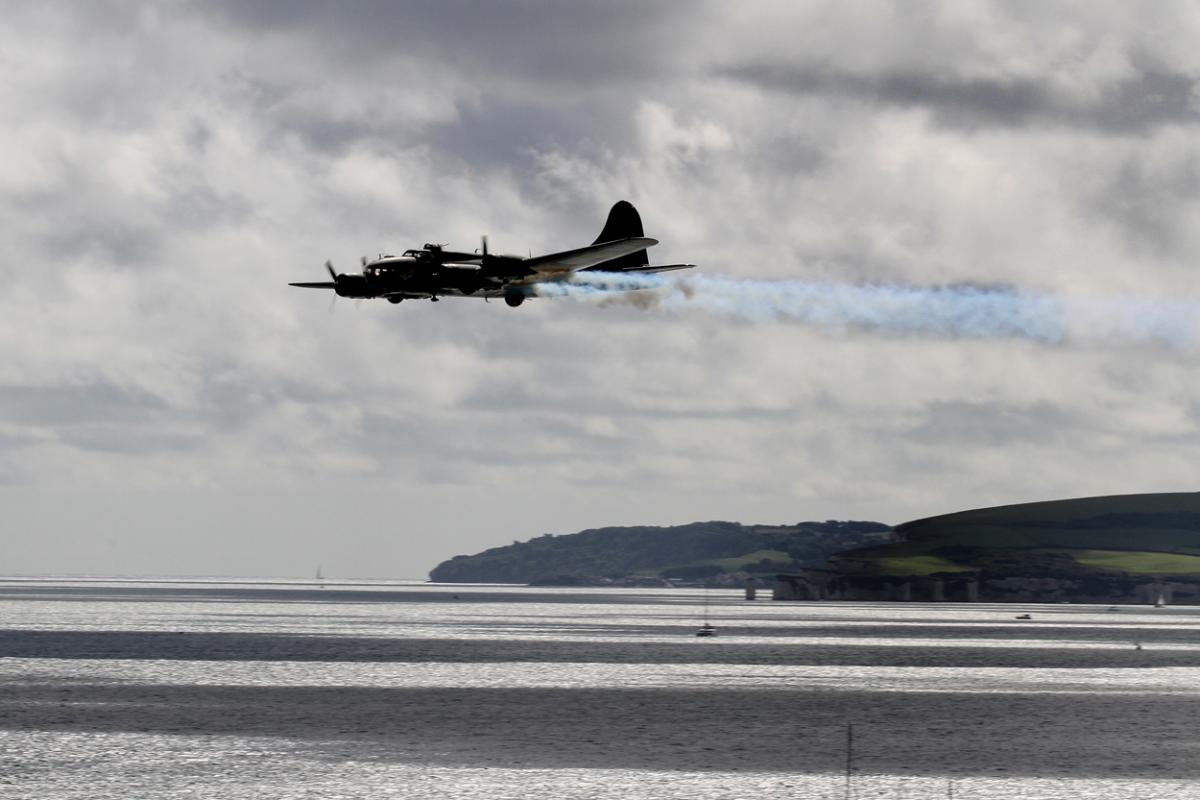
point(320, 284)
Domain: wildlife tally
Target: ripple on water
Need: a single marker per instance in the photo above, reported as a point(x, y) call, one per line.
point(237, 693)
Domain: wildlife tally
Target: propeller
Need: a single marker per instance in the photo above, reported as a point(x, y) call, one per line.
point(344, 285)
point(329, 284)
point(485, 261)
point(333, 274)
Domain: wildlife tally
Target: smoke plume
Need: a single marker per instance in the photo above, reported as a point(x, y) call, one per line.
point(964, 311)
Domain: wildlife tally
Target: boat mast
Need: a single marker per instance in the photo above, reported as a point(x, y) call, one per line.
point(849, 759)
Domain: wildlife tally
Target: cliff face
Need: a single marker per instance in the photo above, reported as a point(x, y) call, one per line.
point(697, 550)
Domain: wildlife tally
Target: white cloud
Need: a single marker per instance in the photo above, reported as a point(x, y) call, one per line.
point(178, 165)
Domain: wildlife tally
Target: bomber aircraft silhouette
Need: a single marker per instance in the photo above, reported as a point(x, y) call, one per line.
point(434, 272)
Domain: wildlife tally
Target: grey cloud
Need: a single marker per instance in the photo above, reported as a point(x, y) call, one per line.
point(128, 440)
point(1153, 208)
point(94, 227)
point(520, 398)
point(53, 406)
point(570, 85)
point(793, 155)
point(81, 217)
point(201, 207)
point(97, 417)
point(497, 134)
point(506, 134)
point(229, 404)
point(475, 443)
point(270, 101)
point(1154, 97)
point(590, 43)
point(955, 423)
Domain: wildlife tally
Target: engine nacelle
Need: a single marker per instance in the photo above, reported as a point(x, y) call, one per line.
point(352, 286)
point(514, 297)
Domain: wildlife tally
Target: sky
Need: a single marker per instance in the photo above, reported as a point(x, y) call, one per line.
point(169, 406)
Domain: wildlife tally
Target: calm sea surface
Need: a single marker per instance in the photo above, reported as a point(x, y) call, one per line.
point(193, 689)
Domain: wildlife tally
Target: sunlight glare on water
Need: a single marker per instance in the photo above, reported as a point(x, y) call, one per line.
point(187, 690)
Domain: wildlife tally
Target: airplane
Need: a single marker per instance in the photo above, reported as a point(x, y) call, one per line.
point(434, 272)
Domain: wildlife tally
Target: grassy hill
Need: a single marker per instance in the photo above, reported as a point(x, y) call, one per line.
point(694, 551)
point(1145, 534)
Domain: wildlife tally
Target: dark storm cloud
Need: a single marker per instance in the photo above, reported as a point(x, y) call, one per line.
point(1152, 98)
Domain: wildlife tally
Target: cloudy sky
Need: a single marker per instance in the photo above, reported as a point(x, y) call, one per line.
point(168, 405)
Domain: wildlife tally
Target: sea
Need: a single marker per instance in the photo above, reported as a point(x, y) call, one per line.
point(213, 688)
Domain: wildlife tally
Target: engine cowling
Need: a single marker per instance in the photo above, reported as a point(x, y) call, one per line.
point(351, 286)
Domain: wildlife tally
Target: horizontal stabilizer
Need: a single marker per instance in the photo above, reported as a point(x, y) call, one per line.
point(659, 268)
point(317, 285)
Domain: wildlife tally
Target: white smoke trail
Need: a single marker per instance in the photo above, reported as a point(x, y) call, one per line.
point(955, 311)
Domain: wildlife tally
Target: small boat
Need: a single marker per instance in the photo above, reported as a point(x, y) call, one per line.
point(1024, 616)
point(707, 629)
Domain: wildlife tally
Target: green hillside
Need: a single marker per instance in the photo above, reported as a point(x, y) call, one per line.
point(694, 551)
point(1146, 534)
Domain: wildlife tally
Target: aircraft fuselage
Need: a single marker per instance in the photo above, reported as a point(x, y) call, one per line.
point(401, 277)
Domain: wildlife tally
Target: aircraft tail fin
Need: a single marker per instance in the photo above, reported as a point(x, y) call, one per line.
point(623, 222)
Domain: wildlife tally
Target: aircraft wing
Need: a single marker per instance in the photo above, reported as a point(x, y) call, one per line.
point(584, 257)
